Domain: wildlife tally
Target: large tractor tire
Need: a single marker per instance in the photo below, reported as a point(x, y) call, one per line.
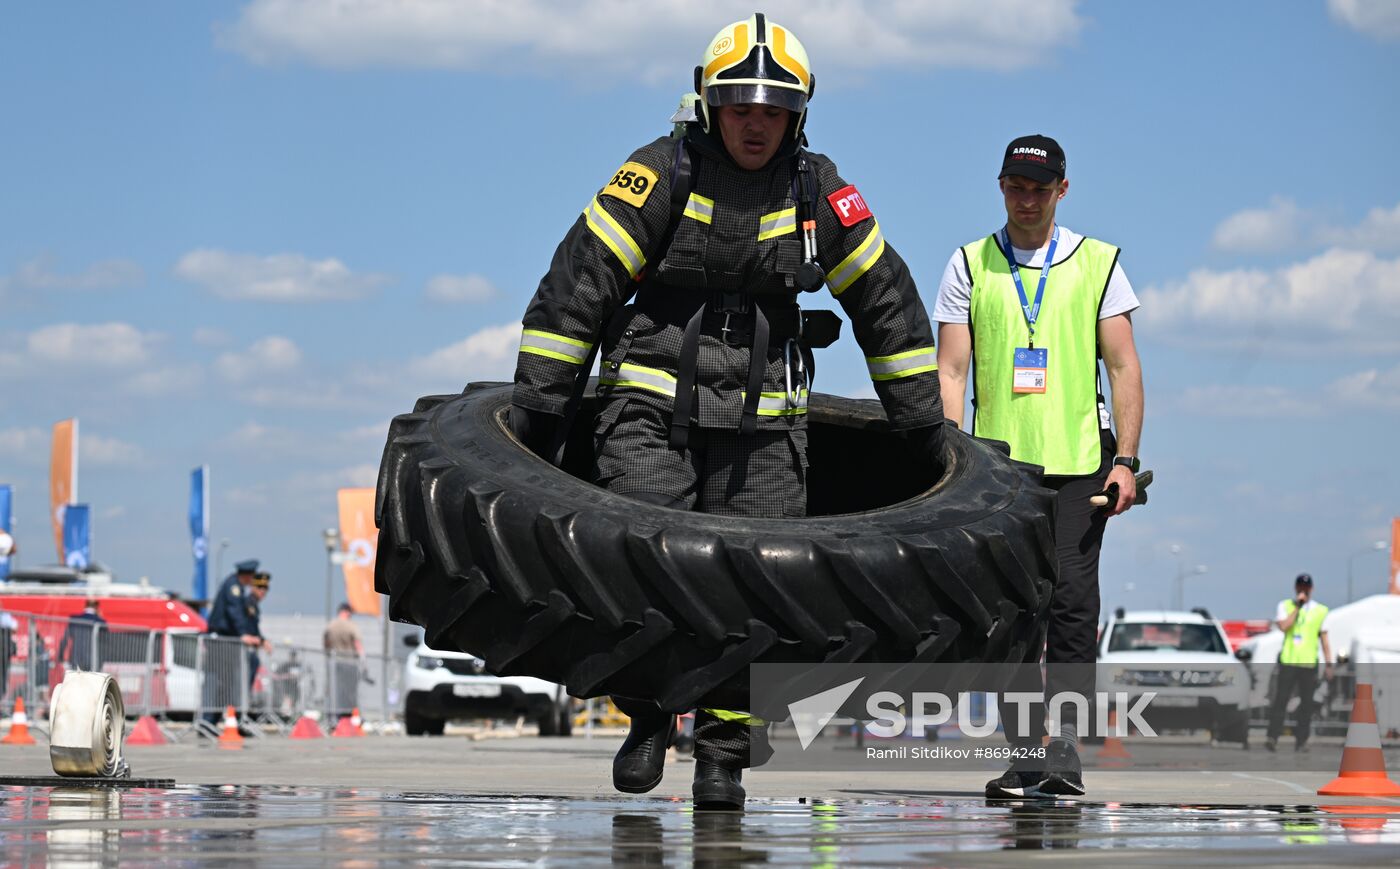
point(495, 552)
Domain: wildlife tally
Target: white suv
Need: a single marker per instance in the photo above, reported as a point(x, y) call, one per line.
point(451, 686)
point(1185, 659)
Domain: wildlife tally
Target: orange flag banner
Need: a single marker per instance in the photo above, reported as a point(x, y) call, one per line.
point(1395, 556)
point(63, 477)
point(359, 536)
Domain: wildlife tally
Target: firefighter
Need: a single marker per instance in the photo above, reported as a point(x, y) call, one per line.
point(684, 272)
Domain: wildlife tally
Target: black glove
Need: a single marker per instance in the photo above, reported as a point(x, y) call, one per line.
point(534, 428)
point(927, 441)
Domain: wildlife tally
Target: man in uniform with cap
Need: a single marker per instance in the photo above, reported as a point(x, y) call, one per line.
point(1034, 354)
point(232, 625)
point(257, 593)
point(1304, 625)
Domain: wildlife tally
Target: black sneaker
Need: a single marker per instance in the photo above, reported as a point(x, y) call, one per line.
point(1019, 781)
point(1271, 744)
point(1064, 774)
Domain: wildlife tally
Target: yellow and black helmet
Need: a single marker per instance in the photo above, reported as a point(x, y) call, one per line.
point(755, 61)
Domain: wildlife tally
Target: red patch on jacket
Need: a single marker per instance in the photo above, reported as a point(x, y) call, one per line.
point(849, 205)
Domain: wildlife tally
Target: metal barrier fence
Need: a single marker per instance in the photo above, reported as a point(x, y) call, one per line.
point(179, 675)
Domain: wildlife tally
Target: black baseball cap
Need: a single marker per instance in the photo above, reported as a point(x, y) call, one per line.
point(1037, 157)
point(1304, 579)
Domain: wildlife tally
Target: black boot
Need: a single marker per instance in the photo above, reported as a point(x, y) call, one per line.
point(642, 758)
point(717, 788)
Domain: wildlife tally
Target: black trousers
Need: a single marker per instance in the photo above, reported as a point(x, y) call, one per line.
point(762, 475)
point(1302, 681)
point(1071, 633)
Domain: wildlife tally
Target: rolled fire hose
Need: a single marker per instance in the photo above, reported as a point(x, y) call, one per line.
point(86, 716)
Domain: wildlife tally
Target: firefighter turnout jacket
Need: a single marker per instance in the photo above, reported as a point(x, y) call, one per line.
point(726, 268)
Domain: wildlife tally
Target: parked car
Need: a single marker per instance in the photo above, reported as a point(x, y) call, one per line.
point(1185, 659)
point(451, 686)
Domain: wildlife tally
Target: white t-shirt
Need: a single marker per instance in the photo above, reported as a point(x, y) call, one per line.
point(1282, 612)
point(955, 290)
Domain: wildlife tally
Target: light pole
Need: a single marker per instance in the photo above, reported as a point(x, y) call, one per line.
point(1351, 561)
point(219, 561)
point(332, 540)
point(1181, 574)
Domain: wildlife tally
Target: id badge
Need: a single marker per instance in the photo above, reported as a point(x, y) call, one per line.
point(1028, 369)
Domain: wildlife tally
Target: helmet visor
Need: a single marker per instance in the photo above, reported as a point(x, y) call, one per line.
point(760, 94)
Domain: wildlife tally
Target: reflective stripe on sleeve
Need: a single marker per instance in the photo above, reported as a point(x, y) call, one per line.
point(858, 263)
point(700, 208)
point(560, 347)
point(905, 364)
point(776, 404)
point(639, 377)
point(614, 236)
point(778, 223)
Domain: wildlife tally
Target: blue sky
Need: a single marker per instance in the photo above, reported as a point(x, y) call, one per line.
point(248, 233)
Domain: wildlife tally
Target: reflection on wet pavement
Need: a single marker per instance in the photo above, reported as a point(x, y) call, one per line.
point(75, 827)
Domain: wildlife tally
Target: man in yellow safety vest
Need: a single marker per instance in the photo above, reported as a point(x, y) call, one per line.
point(1303, 622)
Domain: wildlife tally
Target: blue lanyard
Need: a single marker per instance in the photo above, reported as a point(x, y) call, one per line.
point(1032, 311)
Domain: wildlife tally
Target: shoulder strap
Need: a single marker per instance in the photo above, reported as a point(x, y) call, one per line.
point(682, 183)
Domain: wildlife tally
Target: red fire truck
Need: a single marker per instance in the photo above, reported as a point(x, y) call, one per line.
point(148, 642)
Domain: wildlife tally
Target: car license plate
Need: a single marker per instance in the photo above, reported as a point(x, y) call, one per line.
point(1174, 701)
point(476, 690)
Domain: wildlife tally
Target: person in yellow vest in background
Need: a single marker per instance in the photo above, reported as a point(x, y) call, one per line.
point(1303, 622)
point(1031, 308)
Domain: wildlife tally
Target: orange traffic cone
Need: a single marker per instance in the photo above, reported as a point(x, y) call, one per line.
point(349, 725)
point(1363, 765)
point(307, 728)
point(19, 727)
point(230, 737)
point(1113, 748)
point(146, 732)
point(1363, 819)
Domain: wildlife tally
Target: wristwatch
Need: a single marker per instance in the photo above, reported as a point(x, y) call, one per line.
point(1129, 462)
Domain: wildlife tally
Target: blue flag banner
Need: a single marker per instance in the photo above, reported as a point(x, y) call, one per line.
point(199, 530)
point(7, 540)
point(77, 536)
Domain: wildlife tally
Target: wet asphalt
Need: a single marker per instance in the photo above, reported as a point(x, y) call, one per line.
point(528, 801)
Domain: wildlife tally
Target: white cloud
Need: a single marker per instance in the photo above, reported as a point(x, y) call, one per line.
point(206, 336)
point(287, 277)
point(99, 345)
point(309, 490)
point(1378, 231)
point(488, 354)
point(1283, 225)
point(271, 355)
point(26, 445)
point(40, 274)
point(1257, 230)
point(166, 381)
point(1337, 300)
point(271, 440)
point(656, 40)
point(460, 288)
point(1378, 19)
point(1370, 388)
point(94, 449)
point(1246, 401)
